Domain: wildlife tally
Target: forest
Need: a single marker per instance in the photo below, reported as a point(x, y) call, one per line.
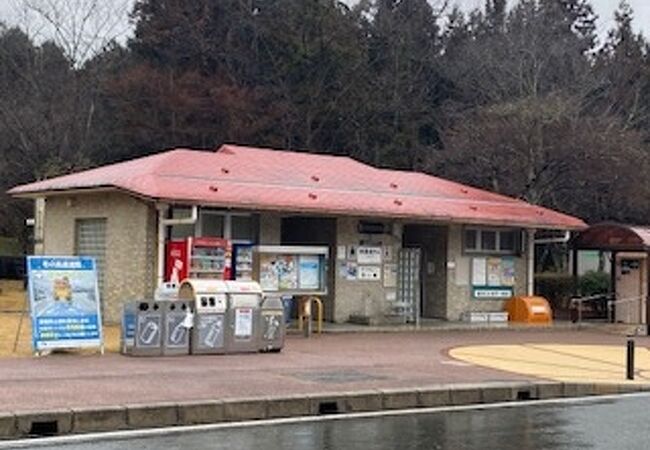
point(525, 99)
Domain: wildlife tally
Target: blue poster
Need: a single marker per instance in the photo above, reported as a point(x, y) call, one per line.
point(64, 302)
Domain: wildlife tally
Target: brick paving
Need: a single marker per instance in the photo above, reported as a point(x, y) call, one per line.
point(330, 363)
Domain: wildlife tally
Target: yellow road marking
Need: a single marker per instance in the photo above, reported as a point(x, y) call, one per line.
point(564, 363)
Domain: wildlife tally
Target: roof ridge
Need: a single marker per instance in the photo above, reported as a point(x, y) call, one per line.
point(225, 147)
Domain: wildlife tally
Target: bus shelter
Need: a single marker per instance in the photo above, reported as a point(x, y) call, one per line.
point(629, 247)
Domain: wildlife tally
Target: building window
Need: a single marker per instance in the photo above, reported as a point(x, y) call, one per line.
point(479, 240)
point(212, 224)
point(243, 228)
point(181, 231)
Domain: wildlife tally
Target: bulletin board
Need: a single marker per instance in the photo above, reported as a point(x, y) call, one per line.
point(493, 277)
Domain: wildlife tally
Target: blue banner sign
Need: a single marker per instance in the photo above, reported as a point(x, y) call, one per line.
point(64, 302)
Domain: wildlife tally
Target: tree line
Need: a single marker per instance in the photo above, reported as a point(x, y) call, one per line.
point(523, 100)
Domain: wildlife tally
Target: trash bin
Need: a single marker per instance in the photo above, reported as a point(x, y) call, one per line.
point(272, 324)
point(210, 303)
point(243, 316)
point(166, 291)
point(148, 328)
point(127, 335)
point(178, 320)
point(532, 310)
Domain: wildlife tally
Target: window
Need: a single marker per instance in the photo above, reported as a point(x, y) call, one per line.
point(212, 224)
point(477, 240)
point(508, 241)
point(488, 240)
point(242, 228)
point(471, 239)
point(181, 231)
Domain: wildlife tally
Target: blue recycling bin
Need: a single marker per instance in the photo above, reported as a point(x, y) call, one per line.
point(289, 308)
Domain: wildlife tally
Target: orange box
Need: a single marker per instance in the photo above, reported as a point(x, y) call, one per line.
point(533, 310)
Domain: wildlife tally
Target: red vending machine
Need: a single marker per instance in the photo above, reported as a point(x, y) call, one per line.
point(201, 257)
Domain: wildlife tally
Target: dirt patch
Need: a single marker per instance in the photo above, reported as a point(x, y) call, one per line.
point(12, 305)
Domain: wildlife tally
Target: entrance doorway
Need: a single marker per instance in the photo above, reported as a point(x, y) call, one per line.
point(631, 285)
point(317, 231)
point(432, 242)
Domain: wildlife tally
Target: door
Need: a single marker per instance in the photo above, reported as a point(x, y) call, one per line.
point(408, 284)
point(630, 289)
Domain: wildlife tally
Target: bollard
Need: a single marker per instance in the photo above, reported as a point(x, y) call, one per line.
point(630, 359)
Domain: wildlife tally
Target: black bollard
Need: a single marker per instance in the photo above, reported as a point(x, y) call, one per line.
point(630, 359)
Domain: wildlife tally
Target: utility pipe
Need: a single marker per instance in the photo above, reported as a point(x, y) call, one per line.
point(163, 223)
point(530, 254)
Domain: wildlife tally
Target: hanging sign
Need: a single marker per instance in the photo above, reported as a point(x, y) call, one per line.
point(64, 302)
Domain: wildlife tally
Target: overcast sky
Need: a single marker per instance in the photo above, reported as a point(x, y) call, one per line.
point(604, 8)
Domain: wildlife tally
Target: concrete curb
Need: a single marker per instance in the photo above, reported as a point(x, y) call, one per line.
point(84, 420)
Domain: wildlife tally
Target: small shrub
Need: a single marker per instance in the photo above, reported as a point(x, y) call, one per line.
point(593, 283)
point(557, 288)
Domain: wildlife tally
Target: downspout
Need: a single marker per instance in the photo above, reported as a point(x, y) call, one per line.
point(163, 223)
point(530, 255)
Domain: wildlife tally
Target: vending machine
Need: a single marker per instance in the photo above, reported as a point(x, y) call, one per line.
point(201, 257)
point(242, 262)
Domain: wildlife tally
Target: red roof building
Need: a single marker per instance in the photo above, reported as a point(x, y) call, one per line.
point(263, 179)
point(464, 234)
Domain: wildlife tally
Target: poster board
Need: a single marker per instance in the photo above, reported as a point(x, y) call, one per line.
point(64, 302)
point(493, 278)
point(291, 270)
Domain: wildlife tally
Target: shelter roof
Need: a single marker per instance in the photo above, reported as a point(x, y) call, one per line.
point(613, 237)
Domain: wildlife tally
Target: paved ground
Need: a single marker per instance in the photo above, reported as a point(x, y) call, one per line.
point(559, 362)
point(330, 363)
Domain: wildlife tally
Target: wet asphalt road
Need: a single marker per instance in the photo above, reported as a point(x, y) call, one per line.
point(612, 424)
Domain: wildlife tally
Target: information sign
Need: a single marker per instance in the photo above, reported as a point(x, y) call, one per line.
point(64, 302)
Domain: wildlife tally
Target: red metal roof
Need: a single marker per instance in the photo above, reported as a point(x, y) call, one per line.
point(253, 178)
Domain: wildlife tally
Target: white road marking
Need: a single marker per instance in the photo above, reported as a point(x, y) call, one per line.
point(151, 432)
point(451, 362)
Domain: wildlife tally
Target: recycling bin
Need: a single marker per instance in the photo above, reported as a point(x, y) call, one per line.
point(531, 310)
point(127, 335)
point(177, 322)
point(166, 291)
point(243, 317)
point(210, 303)
point(272, 324)
point(148, 328)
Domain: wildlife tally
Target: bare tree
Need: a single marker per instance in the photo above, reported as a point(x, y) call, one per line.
point(82, 28)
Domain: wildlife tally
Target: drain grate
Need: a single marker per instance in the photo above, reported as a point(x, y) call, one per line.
point(44, 428)
point(338, 376)
point(325, 408)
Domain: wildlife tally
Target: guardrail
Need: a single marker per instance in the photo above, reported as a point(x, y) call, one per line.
point(579, 302)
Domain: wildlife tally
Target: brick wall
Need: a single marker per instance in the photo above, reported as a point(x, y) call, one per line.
point(459, 296)
point(366, 298)
point(130, 237)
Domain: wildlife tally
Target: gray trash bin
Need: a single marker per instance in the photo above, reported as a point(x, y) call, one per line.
point(272, 324)
point(127, 335)
point(176, 333)
point(210, 303)
point(148, 329)
point(243, 317)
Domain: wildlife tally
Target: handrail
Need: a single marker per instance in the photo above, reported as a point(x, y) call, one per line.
point(612, 303)
point(581, 300)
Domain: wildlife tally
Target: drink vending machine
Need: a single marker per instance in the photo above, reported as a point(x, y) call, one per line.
point(200, 257)
point(242, 261)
